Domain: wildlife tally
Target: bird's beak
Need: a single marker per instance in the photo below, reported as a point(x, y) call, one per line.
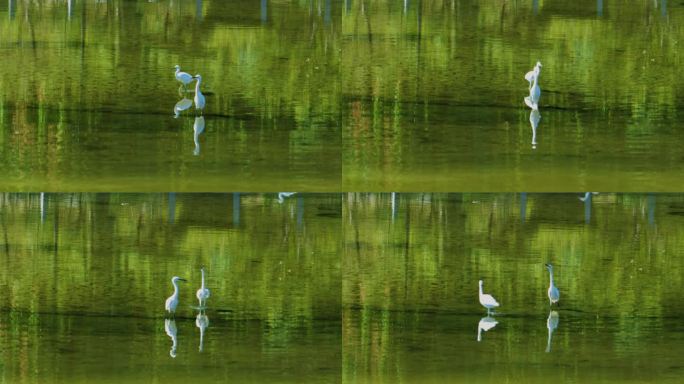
point(181, 279)
point(548, 265)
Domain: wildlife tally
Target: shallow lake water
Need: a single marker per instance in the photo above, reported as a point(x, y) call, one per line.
point(434, 96)
point(410, 288)
point(85, 276)
point(88, 96)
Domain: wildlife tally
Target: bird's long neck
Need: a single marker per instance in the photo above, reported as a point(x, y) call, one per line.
point(197, 85)
point(480, 289)
point(550, 276)
point(203, 279)
point(536, 76)
point(175, 288)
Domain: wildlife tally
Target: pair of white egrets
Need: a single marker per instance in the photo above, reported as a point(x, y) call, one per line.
point(185, 79)
point(172, 302)
point(532, 77)
point(488, 301)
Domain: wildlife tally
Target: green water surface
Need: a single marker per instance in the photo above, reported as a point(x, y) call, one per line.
point(84, 278)
point(88, 92)
point(434, 94)
point(410, 288)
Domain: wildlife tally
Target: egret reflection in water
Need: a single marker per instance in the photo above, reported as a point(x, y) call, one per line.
point(551, 325)
point(535, 116)
point(180, 106)
point(486, 323)
point(171, 331)
point(198, 128)
point(202, 322)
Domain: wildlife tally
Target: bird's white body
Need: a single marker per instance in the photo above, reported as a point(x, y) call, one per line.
point(532, 76)
point(283, 195)
point(587, 195)
point(529, 76)
point(172, 301)
point(485, 324)
point(184, 77)
point(551, 325)
point(203, 293)
point(199, 97)
point(553, 293)
point(535, 93)
point(202, 322)
point(487, 300)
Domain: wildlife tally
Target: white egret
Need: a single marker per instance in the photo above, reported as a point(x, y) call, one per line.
point(203, 293)
point(551, 325)
point(485, 324)
point(180, 106)
point(553, 293)
point(587, 195)
point(487, 300)
point(535, 94)
point(529, 76)
point(202, 322)
point(184, 77)
point(198, 128)
point(171, 331)
point(283, 195)
point(172, 301)
point(199, 97)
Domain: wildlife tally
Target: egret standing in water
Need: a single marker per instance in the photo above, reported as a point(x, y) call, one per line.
point(487, 300)
point(529, 76)
point(535, 92)
point(184, 77)
point(172, 301)
point(199, 97)
point(283, 195)
point(553, 293)
point(203, 293)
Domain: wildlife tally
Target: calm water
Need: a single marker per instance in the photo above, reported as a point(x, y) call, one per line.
point(85, 276)
point(434, 94)
point(88, 93)
point(411, 311)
